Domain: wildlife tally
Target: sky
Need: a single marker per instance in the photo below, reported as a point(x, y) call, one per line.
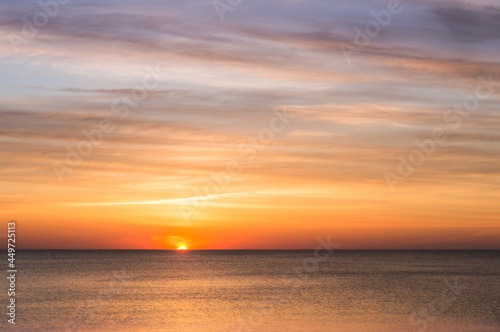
point(256, 125)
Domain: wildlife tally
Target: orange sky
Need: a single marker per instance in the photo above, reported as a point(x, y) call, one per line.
point(306, 142)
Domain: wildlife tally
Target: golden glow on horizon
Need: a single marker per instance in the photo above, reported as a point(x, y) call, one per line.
point(182, 247)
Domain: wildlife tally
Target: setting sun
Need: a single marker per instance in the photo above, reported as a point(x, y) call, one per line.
point(182, 247)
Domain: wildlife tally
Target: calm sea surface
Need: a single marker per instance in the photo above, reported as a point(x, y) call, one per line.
point(256, 291)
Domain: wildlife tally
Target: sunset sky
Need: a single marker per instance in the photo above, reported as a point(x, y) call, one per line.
point(314, 131)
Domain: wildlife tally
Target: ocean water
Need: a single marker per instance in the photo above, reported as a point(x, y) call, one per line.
point(257, 291)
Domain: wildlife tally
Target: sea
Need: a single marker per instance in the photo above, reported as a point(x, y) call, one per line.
point(255, 290)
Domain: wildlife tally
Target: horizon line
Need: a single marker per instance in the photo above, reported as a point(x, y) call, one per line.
point(290, 249)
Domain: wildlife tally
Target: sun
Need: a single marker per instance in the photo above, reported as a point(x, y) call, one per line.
point(182, 247)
